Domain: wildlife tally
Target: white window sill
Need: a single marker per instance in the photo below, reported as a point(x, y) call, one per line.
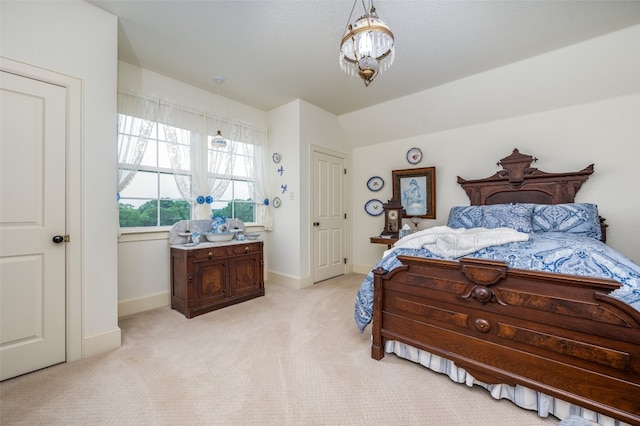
point(162, 232)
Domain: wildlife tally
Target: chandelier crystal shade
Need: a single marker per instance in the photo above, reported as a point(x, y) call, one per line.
point(218, 141)
point(367, 47)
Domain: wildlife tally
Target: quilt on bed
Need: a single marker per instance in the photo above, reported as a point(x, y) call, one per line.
point(561, 252)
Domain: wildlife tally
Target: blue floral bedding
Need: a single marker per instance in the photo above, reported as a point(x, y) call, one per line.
point(561, 252)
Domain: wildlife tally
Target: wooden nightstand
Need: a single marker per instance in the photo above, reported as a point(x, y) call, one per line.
point(379, 240)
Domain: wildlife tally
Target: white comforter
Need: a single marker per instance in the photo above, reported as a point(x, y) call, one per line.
point(450, 243)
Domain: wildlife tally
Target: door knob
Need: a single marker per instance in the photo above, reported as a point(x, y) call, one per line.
point(316, 223)
point(58, 239)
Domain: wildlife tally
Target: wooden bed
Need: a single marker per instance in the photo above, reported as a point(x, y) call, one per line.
point(558, 334)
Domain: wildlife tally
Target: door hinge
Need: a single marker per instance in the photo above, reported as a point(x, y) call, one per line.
point(345, 171)
point(345, 215)
point(345, 260)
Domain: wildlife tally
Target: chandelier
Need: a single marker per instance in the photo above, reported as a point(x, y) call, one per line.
point(367, 47)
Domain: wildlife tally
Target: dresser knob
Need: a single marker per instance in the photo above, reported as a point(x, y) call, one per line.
point(482, 325)
point(210, 255)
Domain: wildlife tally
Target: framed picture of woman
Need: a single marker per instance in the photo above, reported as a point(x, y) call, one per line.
point(416, 190)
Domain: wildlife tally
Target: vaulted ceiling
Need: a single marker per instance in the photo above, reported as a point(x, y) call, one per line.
point(271, 52)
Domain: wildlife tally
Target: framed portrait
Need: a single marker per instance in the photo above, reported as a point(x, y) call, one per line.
point(416, 190)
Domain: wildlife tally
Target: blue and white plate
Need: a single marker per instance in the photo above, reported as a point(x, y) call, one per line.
point(375, 183)
point(374, 207)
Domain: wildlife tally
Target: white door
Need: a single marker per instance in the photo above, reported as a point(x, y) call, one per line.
point(329, 216)
point(32, 212)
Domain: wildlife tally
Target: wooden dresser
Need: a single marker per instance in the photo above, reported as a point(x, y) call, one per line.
point(211, 276)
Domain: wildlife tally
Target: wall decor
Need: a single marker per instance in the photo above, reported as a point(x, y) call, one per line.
point(416, 190)
point(275, 157)
point(280, 170)
point(375, 183)
point(283, 188)
point(374, 207)
point(414, 155)
point(276, 202)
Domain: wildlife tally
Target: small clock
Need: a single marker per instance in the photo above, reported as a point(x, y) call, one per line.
point(392, 218)
point(414, 155)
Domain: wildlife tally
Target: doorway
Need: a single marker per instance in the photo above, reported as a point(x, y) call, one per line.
point(329, 218)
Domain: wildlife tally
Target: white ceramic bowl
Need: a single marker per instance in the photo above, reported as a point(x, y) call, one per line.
point(252, 235)
point(216, 238)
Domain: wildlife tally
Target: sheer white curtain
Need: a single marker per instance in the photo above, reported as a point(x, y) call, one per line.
point(261, 192)
point(180, 130)
point(136, 118)
point(236, 161)
point(219, 162)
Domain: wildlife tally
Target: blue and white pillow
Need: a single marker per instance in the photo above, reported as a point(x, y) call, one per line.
point(575, 218)
point(515, 216)
point(465, 217)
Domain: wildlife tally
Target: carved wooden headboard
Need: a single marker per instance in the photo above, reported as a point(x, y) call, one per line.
point(518, 182)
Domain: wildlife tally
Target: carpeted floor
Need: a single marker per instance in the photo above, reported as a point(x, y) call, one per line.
point(293, 357)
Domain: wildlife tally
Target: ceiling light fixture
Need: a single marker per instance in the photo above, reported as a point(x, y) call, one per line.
point(367, 47)
point(218, 141)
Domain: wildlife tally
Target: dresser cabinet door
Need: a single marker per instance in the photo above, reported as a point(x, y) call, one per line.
point(246, 274)
point(210, 281)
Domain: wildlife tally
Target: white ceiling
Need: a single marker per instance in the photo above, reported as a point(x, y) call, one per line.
point(272, 52)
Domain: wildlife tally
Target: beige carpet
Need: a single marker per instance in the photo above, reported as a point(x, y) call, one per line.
point(293, 357)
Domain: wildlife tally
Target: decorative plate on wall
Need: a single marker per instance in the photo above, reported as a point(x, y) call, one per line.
point(414, 155)
point(374, 207)
point(375, 183)
point(276, 202)
point(275, 157)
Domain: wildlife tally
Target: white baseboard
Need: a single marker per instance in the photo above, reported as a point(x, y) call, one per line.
point(101, 343)
point(289, 281)
point(141, 304)
point(362, 269)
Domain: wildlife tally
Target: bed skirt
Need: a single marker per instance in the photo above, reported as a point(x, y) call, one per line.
point(521, 396)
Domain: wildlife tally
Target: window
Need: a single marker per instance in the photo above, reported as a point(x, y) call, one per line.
point(151, 196)
point(162, 180)
point(236, 201)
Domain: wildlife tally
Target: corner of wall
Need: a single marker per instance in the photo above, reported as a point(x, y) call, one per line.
point(288, 281)
point(102, 342)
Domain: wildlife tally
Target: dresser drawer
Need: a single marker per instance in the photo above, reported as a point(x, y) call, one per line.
point(209, 253)
point(243, 248)
point(225, 251)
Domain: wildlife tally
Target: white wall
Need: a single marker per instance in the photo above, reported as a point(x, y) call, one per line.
point(601, 68)
point(294, 129)
point(284, 138)
point(606, 133)
point(140, 80)
point(569, 108)
point(319, 128)
point(80, 40)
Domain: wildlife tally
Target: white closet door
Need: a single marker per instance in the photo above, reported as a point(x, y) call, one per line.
point(32, 213)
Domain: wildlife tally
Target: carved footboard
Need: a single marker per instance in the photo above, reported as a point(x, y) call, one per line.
point(558, 334)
